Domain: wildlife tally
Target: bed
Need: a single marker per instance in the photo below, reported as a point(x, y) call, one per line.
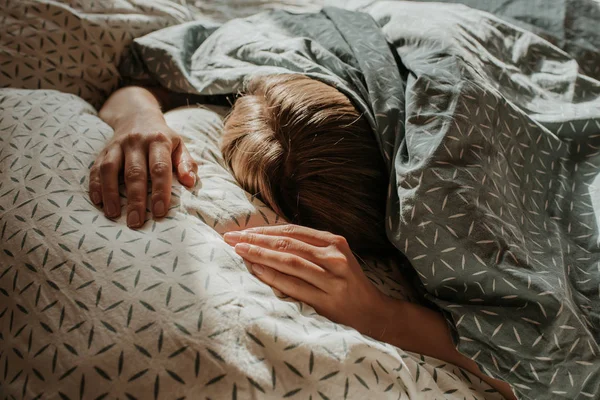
point(90, 309)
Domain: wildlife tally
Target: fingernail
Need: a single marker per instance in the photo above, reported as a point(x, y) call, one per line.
point(194, 178)
point(159, 208)
point(133, 219)
point(257, 269)
point(232, 237)
point(242, 248)
point(111, 209)
point(96, 197)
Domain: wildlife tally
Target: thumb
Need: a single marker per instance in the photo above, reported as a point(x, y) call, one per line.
point(185, 166)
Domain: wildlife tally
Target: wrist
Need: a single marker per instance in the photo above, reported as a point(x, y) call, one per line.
point(142, 121)
point(124, 117)
point(129, 106)
point(385, 322)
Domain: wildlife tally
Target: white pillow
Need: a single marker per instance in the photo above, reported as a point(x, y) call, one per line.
point(90, 306)
point(76, 46)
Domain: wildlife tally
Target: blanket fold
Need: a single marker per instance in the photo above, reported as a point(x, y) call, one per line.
point(492, 145)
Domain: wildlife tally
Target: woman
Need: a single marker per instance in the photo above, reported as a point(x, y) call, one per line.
point(304, 149)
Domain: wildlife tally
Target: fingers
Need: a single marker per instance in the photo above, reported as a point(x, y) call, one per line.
point(95, 184)
point(277, 243)
point(332, 259)
point(288, 285)
point(186, 167)
point(136, 183)
point(141, 153)
point(161, 174)
point(307, 235)
point(285, 263)
point(109, 179)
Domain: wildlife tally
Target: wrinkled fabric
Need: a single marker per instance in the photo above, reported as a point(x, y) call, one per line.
point(491, 138)
point(91, 309)
point(76, 46)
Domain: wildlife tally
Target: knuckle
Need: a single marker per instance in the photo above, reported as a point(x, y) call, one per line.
point(249, 238)
point(135, 173)
point(158, 194)
point(133, 138)
point(95, 185)
point(337, 258)
point(95, 170)
point(160, 168)
point(291, 261)
point(136, 195)
point(160, 137)
point(136, 204)
point(282, 244)
point(255, 251)
point(289, 229)
point(338, 241)
point(107, 167)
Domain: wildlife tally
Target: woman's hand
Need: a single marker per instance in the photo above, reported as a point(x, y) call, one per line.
point(142, 145)
point(317, 268)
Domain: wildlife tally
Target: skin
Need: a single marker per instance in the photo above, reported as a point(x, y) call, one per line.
point(315, 267)
point(143, 147)
point(319, 269)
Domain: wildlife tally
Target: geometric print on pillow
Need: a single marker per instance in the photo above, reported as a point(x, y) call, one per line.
point(90, 309)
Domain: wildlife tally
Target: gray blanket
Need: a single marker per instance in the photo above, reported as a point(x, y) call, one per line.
point(492, 139)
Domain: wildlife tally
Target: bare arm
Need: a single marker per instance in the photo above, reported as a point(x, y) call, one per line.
point(142, 146)
point(421, 330)
point(319, 269)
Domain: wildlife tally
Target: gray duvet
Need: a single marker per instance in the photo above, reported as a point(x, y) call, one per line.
point(492, 139)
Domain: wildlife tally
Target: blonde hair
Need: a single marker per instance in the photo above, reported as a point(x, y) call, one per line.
point(305, 151)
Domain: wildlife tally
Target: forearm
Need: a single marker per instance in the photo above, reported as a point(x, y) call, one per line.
point(421, 330)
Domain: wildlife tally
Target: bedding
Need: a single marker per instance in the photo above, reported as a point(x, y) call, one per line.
point(91, 309)
point(75, 46)
point(498, 196)
point(568, 24)
point(490, 134)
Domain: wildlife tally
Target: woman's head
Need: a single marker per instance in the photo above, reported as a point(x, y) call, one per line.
point(302, 148)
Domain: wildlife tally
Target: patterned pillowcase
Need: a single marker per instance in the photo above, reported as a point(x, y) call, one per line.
point(75, 46)
point(84, 299)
